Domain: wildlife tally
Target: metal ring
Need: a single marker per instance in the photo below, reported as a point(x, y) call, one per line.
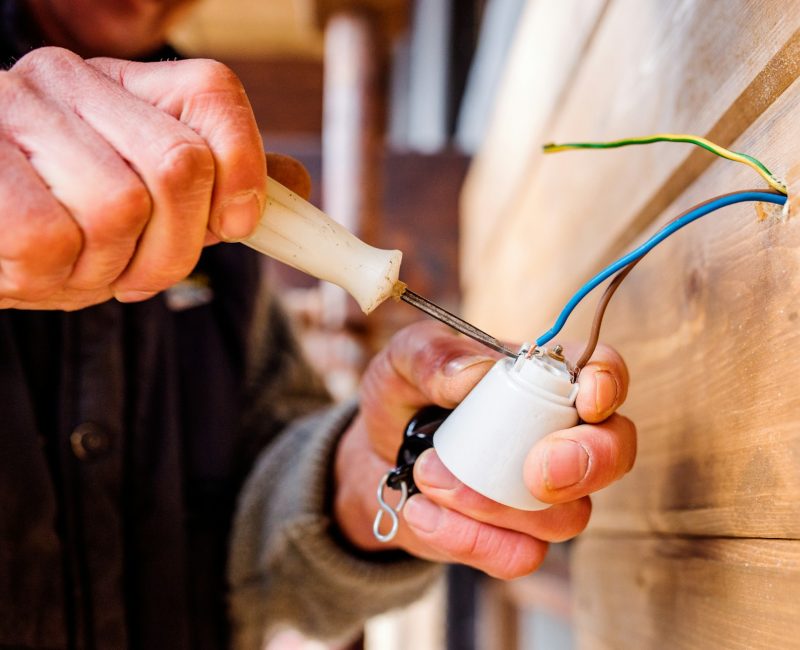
point(385, 508)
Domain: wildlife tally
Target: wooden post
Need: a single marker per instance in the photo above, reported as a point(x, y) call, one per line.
point(350, 137)
point(351, 163)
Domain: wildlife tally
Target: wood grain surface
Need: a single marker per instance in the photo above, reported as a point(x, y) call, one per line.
point(681, 66)
point(708, 323)
point(651, 594)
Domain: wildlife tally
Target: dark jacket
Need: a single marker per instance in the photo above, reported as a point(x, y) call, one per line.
point(120, 458)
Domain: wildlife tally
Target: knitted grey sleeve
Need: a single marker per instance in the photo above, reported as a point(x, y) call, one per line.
point(286, 565)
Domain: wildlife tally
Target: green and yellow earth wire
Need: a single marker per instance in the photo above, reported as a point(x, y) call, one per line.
point(697, 140)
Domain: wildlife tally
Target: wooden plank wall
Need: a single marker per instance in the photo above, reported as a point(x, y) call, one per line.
point(699, 546)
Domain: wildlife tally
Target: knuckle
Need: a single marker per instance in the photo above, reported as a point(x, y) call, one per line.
point(501, 553)
point(569, 519)
point(482, 542)
point(23, 287)
point(55, 244)
point(132, 201)
point(122, 213)
point(152, 281)
point(431, 345)
point(521, 556)
point(41, 261)
point(187, 163)
point(470, 542)
point(213, 76)
point(47, 59)
point(62, 243)
point(12, 86)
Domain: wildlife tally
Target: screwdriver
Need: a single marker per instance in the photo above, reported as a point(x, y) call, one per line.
point(294, 232)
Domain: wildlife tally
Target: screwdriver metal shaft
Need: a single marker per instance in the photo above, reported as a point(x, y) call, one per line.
point(440, 314)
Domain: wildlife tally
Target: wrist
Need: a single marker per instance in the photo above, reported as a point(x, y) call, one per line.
point(357, 472)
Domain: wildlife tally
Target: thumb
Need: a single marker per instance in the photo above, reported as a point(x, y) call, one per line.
point(423, 364)
point(289, 172)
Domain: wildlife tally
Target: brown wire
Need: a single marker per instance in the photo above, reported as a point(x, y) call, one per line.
point(600, 310)
point(597, 323)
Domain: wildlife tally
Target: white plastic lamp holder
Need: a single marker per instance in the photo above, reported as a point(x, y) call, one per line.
point(485, 440)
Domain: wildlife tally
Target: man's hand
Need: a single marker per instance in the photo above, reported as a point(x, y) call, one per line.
point(426, 363)
point(113, 175)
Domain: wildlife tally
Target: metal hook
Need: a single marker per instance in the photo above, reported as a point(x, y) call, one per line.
point(388, 510)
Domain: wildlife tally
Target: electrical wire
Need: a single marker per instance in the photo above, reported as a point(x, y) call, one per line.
point(743, 158)
point(635, 255)
point(599, 312)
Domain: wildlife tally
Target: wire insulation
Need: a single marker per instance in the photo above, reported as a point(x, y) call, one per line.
point(697, 140)
point(683, 220)
point(599, 312)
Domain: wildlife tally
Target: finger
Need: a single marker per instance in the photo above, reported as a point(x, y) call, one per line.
point(499, 552)
point(62, 300)
point(290, 173)
point(423, 364)
point(555, 524)
point(39, 240)
point(172, 160)
point(208, 97)
point(440, 365)
point(603, 383)
point(99, 190)
point(569, 464)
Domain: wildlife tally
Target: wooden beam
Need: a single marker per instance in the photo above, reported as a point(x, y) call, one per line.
point(699, 546)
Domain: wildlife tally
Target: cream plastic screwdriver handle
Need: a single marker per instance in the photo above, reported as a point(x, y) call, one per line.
point(298, 234)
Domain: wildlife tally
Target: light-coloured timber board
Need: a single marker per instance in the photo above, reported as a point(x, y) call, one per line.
point(249, 29)
point(540, 63)
point(679, 65)
point(651, 594)
point(709, 324)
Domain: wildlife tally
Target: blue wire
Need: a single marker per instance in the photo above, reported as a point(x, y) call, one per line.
point(661, 235)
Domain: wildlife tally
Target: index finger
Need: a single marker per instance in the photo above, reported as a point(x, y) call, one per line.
point(208, 97)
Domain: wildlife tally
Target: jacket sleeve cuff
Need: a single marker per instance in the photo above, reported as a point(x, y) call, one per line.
point(288, 565)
